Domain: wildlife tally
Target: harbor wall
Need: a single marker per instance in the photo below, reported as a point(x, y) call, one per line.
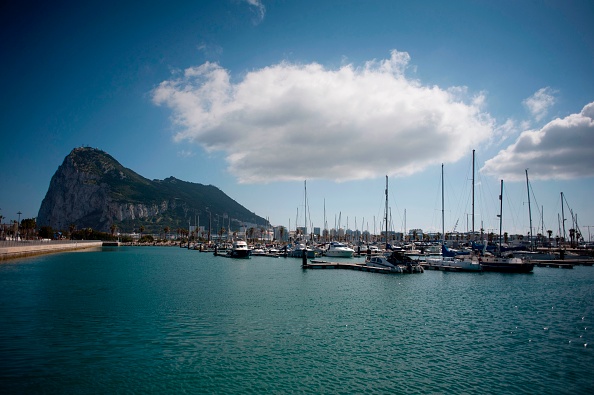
point(13, 250)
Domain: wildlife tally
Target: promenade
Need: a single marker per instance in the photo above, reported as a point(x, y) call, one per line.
point(27, 248)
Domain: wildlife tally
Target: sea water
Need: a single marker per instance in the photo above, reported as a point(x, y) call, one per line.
point(170, 320)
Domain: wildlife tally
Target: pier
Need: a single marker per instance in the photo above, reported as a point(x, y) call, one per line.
point(22, 249)
point(563, 263)
point(559, 264)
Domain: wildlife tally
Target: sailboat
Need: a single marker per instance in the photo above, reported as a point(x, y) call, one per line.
point(301, 245)
point(466, 263)
point(395, 261)
point(500, 263)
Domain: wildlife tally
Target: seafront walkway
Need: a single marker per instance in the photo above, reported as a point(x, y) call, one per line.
point(26, 248)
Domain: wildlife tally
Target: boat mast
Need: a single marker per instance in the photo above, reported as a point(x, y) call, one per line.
point(386, 213)
point(325, 223)
point(404, 224)
point(500, 215)
point(563, 219)
point(305, 210)
point(529, 209)
point(472, 194)
point(442, 210)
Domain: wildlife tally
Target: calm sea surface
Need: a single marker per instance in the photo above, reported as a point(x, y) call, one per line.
point(169, 320)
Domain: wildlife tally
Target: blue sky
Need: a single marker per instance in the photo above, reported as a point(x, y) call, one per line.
point(255, 97)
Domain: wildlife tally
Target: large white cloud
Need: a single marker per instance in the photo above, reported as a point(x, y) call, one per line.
point(562, 149)
point(304, 121)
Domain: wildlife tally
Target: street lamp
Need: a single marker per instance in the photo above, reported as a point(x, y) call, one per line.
point(19, 226)
point(209, 223)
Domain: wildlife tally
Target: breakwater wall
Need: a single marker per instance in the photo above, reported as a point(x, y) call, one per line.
point(12, 250)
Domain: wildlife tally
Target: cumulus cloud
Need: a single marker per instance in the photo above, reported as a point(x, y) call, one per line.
point(259, 9)
point(304, 121)
point(539, 103)
point(562, 149)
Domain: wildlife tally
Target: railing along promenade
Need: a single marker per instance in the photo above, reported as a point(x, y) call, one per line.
point(11, 249)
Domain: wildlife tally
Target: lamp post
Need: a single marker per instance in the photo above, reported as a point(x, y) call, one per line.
point(19, 226)
point(209, 224)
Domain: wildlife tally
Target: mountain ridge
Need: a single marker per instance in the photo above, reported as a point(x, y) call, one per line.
point(92, 189)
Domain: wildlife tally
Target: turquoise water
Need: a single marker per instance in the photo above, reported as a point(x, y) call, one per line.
point(168, 320)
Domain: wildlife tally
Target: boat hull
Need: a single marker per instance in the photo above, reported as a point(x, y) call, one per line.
point(240, 254)
point(453, 264)
point(504, 267)
point(340, 254)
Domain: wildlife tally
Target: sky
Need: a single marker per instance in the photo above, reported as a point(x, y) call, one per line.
point(260, 97)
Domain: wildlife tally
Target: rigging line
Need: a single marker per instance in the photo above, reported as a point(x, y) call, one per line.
point(448, 187)
point(538, 207)
point(392, 197)
point(514, 211)
point(575, 225)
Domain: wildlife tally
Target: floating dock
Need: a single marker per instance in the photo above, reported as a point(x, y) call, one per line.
point(563, 263)
point(555, 264)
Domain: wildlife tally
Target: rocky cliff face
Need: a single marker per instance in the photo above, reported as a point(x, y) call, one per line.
point(91, 189)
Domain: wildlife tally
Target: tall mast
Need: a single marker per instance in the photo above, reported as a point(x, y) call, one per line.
point(500, 215)
point(529, 210)
point(325, 223)
point(472, 194)
point(386, 212)
point(563, 219)
point(542, 219)
point(442, 209)
point(305, 209)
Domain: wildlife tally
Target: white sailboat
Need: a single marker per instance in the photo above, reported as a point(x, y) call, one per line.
point(463, 263)
point(500, 263)
point(394, 260)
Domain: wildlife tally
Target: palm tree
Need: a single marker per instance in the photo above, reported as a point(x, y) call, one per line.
point(165, 231)
point(113, 228)
point(141, 230)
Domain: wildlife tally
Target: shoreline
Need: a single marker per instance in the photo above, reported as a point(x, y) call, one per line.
point(15, 250)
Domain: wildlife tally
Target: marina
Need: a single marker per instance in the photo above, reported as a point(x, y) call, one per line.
point(163, 319)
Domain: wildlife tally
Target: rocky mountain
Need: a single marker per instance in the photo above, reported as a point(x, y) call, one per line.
point(92, 189)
